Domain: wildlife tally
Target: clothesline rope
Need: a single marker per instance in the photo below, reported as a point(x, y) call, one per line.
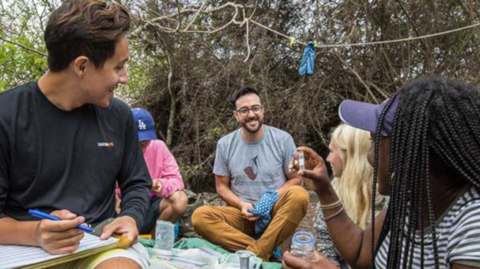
point(373, 42)
point(240, 10)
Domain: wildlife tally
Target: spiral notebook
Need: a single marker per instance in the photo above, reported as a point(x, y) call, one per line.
point(35, 257)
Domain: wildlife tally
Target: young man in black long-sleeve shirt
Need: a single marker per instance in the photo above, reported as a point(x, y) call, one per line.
point(64, 139)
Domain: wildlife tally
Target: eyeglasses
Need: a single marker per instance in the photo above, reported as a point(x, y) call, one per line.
point(255, 109)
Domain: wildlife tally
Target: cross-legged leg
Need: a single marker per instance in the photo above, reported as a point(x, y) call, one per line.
point(223, 226)
point(287, 213)
point(173, 207)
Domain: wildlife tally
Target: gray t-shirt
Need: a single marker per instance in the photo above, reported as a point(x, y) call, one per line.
point(254, 168)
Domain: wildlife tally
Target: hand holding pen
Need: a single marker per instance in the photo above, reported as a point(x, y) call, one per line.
point(59, 236)
point(42, 215)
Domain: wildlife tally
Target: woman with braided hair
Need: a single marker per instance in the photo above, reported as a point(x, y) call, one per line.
point(425, 154)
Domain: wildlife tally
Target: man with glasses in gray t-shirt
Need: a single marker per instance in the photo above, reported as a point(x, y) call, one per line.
point(251, 164)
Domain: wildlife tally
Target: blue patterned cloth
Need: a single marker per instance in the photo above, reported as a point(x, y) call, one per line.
point(262, 209)
point(308, 59)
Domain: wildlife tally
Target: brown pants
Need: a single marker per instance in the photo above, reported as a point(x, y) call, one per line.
point(226, 227)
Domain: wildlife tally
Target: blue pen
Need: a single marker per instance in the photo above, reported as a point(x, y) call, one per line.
point(42, 215)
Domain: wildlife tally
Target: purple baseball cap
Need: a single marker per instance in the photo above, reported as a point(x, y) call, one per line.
point(365, 116)
point(144, 122)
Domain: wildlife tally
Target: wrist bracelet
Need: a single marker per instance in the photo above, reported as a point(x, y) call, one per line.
point(331, 206)
point(334, 215)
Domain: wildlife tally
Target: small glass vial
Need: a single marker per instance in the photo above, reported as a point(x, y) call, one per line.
point(303, 245)
point(301, 160)
point(245, 256)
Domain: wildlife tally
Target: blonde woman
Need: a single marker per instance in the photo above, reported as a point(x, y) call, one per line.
point(352, 182)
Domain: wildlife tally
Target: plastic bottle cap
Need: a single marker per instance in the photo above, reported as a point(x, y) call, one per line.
point(303, 238)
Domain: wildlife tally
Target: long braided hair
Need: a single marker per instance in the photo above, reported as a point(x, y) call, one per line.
point(437, 121)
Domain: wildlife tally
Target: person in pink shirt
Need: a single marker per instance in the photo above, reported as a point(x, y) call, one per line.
point(168, 200)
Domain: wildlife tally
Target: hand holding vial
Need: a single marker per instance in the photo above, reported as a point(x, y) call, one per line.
point(311, 167)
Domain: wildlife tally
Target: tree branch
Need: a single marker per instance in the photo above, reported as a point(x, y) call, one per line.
point(173, 101)
point(248, 43)
point(358, 77)
point(185, 11)
point(179, 15)
point(196, 15)
point(23, 47)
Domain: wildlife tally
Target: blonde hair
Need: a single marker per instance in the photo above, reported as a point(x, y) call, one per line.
point(354, 187)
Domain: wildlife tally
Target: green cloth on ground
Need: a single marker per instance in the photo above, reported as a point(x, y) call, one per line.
point(148, 243)
point(188, 243)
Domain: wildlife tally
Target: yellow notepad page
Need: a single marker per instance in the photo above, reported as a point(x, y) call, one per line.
point(35, 257)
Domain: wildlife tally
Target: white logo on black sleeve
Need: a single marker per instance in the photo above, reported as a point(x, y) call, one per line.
point(106, 144)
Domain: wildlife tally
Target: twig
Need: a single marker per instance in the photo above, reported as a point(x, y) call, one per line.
point(196, 15)
point(244, 18)
point(179, 16)
point(23, 47)
point(171, 30)
point(358, 77)
point(276, 32)
point(254, 10)
point(412, 23)
point(229, 4)
point(378, 90)
point(248, 44)
point(173, 102)
point(209, 158)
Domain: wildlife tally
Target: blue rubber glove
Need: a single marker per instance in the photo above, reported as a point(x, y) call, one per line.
point(262, 209)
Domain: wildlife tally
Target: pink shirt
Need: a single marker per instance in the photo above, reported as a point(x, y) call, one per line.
point(162, 166)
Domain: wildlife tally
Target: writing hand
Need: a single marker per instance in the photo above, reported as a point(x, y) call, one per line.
point(62, 236)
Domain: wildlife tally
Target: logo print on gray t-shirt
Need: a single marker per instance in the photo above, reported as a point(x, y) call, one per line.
point(252, 169)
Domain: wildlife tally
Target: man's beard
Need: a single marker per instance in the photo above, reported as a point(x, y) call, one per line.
point(245, 126)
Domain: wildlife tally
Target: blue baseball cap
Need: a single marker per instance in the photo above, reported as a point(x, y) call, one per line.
point(365, 116)
point(144, 122)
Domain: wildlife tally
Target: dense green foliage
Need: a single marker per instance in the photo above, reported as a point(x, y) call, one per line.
point(21, 34)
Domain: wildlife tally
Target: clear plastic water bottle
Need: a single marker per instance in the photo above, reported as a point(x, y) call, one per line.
point(303, 245)
point(164, 235)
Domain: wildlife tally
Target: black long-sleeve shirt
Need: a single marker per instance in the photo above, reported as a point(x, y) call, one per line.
point(52, 159)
